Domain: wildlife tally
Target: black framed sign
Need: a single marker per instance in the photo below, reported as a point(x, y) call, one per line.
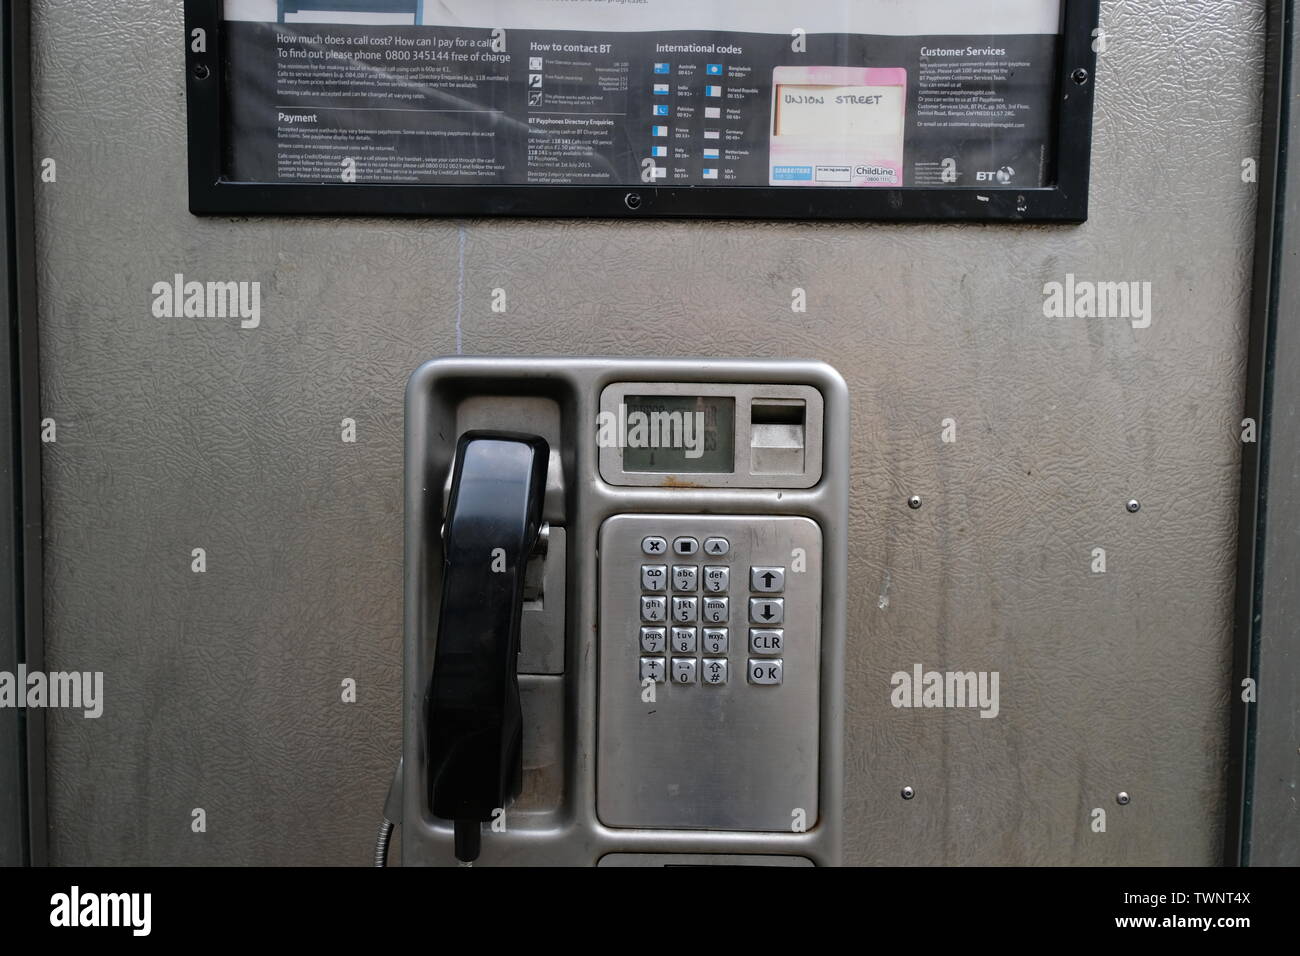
point(977, 110)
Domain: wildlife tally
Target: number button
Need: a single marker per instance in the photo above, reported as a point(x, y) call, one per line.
point(653, 609)
point(714, 640)
point(683, 640)
point(685, 609)
point(715, 672)
point(765, 672)
point(769, 580)
point(684, 670)
point(652, 668)
point(684, 577)
point(766, 611)
point(653, 577)
point(716, 580)
point(652, 640)
point(715, 610)
point(654, 545)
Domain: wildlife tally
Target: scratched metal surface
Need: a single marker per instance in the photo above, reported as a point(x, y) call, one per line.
point(224, 688)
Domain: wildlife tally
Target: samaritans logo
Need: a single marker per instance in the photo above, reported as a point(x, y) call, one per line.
point(73, 690)
point(922, 688)
point(75, 908)
point(654, 429)
point(179, 299)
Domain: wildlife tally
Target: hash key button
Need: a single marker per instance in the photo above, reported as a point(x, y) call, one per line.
point(765, 672)
point(769, 580)
point(714, 672)
point(767, 611)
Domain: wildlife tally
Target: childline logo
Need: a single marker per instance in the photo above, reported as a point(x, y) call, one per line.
point(1082, 299)
point(179, 299)
point(56, 689)
point(75, 908)
point(656, 429)
point(923, 688)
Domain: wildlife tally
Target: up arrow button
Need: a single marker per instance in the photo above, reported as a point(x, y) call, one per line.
point(767, 580)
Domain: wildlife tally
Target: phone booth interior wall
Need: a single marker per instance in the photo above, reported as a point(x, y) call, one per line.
point(995, 449)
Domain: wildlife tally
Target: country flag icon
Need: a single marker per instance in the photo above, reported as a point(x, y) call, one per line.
point(663, 67)
point(713, 112)
point(661, 111)
point(713, 69)
point(661, 89)
point(713, 91)
point(710, 153)
point(712, 134)
point(658, 130)
point(710, 172)
point(660, 152)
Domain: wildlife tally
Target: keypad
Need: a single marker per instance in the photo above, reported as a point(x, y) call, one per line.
point(686, 611)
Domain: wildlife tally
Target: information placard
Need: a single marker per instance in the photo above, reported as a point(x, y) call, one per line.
point(762, 108)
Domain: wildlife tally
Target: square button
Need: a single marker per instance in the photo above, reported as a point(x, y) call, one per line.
point(683, 670)
point(714, 640)
point(714, 671)
point(767, 580)
point(685, 546)
point(653, 640)
point(683, 640)
point(716, 580)
point(685, 609)
point(652, 668)
point(766, 611)
point(653, 609)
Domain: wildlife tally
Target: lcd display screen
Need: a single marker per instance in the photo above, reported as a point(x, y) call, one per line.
point(676, 434)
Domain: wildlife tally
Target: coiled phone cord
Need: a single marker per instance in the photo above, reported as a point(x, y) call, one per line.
point(392, 817)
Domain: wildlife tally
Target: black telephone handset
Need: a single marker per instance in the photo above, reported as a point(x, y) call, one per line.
point(473, 723)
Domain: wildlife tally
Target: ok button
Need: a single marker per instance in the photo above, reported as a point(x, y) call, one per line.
point(766, 610)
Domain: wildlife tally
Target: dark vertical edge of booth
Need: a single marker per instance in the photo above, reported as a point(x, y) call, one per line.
point(1270, 253)
point(22, 732)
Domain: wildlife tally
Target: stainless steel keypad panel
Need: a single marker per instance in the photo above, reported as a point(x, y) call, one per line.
point(737, 638)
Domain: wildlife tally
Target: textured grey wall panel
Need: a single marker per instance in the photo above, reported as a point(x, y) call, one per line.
point(223, 688)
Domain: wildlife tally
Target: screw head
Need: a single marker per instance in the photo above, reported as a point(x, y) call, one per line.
point(1080, 76)
point(1133, 506)
point(201, 71)
point(1122, 798)
point(632, 200)
point(908, 793)
point(914, 502)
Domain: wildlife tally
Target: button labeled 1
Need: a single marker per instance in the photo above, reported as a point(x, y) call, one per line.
point(654, 577)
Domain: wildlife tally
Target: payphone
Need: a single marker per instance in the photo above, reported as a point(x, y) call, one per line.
point(625, 600)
